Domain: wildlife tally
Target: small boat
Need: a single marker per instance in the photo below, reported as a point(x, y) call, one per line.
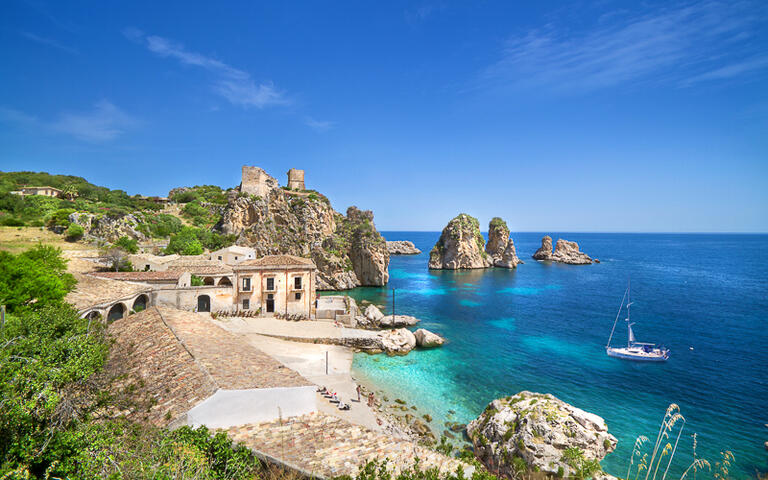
point(640, 351)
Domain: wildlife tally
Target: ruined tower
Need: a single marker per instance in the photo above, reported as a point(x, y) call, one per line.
point(255, 181)
point(296, 179)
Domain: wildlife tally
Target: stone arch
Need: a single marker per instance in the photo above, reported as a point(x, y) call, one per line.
point(93, 315)
point(225, 281)
point(116, 312)
point(203, 303)
point(208, 281)
point(141, 303)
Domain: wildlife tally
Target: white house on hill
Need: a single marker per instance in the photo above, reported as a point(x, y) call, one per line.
point(234, 254)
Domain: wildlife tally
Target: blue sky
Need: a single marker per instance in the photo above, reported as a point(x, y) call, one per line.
point(557, 116)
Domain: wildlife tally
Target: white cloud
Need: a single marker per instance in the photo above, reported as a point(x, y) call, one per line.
point(236, 86)
point(672, 45)
point(103, 123)
point(49, 42)
point(320, 126)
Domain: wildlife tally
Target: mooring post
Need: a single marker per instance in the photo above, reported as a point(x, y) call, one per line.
point(326, 362)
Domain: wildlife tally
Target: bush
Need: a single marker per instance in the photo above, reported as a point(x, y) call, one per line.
point(185, 243)
point(74, 232)
point(196, 281)
point(163, 225)
point(11, 222)
point(60, 218)
point(33, 278)
point(130, 245)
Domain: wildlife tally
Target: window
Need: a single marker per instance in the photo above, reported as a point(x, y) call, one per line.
point(247, 284)
point(219, 257)
point(246, 304)
point(235, 258)
point(297, 283)
point(270, 283)
point(297, 296)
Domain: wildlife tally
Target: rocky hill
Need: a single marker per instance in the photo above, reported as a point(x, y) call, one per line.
point(347, 250)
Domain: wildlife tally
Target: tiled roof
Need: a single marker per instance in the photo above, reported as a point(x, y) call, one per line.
point(91, 291)
point(154, 258)
point(236, 249)
point(199, 266)
point(141, 276)
point(278, 261)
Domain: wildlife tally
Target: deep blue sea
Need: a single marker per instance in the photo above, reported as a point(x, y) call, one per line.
point(543, 327)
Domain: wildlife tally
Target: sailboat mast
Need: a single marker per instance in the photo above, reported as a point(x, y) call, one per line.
point(617, 318)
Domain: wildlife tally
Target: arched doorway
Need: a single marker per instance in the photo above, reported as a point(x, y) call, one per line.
point(93, 315)
point(140, 303)
point(225, 281)
point(116, 312)
point(203, 303)
point(208, 281)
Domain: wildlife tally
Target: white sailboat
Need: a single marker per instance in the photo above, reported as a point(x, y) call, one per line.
point(646, 352)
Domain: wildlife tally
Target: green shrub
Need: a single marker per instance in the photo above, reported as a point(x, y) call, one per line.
point(130, 245)
point(195, 281)
point(74, 232)
point(11, 222)
point(60, 218)
point(33, 278)
point(185, 243)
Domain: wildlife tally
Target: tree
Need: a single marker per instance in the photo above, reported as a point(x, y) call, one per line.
point(185, 243)
point(130, 245)
point(69, 191)
point(117, 260)
point(32, 278)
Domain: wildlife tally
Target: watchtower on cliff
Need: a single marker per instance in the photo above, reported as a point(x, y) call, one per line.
point(296, 179)
point(255, 181)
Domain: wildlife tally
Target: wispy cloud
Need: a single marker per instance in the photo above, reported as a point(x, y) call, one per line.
point(102, 123)
point(49, 42)
point(422, 12)
point(234, 85)
point(320, 126)
point(704, 40)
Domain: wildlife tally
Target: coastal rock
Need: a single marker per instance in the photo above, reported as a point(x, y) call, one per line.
point(427, 339)
point(397, 342)
point(107, 227)
point(348, 250)
point(500, 247)
point(545, 251)
point(538, 428)
point(402, 247)
point(373, 313)
point(388, 321)
point(461, 245)
point(568, 252)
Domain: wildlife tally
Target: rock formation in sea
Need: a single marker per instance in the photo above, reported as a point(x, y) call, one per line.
point(565, 252)
point(537, 428)
point(545, 251)
point(402, 247)
point(347, 250)
point(397, 321)
point(427, 339)
point(398, 342)
point(500, 246)
point(461, 245)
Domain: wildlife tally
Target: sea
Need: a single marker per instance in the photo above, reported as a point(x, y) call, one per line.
point(543, 327)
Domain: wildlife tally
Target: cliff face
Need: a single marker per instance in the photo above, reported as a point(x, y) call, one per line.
point(461, 245)
point(539, 429)
point(348, 251)
point(500, 247)
point(108, 228)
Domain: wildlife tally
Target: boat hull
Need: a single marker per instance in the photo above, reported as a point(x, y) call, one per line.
point(626, 354)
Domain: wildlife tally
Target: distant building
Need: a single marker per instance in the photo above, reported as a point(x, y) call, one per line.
point(296, 179)
point(255, 181)
point(234, 254)
point(44, 191)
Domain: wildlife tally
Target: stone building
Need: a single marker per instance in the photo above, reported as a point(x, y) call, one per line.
point(255, 181)
point(282, 284)
point(296, 179)
point(49, 191)
point(234, 254)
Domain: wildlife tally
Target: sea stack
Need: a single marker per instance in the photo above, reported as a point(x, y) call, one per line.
point(461, 245)
point(500, 247)
point(538, 428)
point(565, 252)
point(402, 247)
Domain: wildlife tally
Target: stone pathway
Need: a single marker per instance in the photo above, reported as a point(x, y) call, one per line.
point(316, 332)
point(327, 446)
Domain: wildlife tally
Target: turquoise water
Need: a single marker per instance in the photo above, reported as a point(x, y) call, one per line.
point(544, 327)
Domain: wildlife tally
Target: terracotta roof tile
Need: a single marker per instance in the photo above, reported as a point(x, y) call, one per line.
point(91, 291)
point(141, 276)
point(278, 261)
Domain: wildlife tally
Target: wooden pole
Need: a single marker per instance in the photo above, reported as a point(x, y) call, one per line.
point(326, 362)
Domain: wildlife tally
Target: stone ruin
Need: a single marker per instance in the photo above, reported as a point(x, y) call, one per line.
point(255, 181)
point(296, 179)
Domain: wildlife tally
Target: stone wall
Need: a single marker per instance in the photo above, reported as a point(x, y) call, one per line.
point(255, 181)
point(296, 179)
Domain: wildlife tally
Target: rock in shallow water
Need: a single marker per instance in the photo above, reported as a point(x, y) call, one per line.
point(402, 247)
point(388, 321)
point(427, 339)
point(397, 342)
point(537, 428)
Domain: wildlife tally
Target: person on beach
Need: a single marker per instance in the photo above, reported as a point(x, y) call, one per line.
point(370, 399)
point(358, 393)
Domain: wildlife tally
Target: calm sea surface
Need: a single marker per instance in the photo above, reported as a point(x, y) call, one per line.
point(544, 327)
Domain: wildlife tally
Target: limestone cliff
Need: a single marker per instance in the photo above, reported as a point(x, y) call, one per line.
point(108, 228)
point(461, 245)
point(539, 429)
point(347, 250)
point(500, 246)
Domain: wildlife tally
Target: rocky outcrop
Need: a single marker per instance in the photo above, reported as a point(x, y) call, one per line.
point(427, 339)
point(396, 321)
point(347, 250)
point(461, 245)
point(107, 227)
point(402, 247)
point(537, 428)
point(568, 252)
point(500, 246)
point(545, 251)
point(373, 313)
point(565, 252)
point(398, 342)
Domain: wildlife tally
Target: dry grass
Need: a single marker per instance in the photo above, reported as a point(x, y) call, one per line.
point(18, 239)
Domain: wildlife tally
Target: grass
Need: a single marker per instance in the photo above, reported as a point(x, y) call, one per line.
point(17, 239)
